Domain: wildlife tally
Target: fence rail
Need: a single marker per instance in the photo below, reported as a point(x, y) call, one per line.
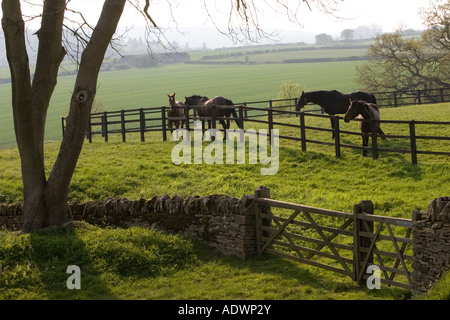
point(348, 243)
point(144, 120)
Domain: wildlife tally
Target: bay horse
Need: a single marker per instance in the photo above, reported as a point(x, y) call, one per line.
point(333, 102)
point(367, 111)
point(204, 109)
point(176, 110)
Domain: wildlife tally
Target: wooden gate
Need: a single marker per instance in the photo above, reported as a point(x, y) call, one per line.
point(342, 242)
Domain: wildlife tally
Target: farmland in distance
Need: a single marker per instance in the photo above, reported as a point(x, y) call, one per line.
point(136, 88)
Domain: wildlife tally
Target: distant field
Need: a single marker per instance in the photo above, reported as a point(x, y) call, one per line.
point(270, 56)
point(136, 88)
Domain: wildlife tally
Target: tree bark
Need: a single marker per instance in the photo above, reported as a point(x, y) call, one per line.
point(56, 193)
point(45, 202)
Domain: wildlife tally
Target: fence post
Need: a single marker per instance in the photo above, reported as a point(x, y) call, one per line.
point(213, 116)
point(295, 106)
point(360, 241)
point(89, 130)
point(261, 192)
point(163, 123)
point(186, 116)
point(241, 117)
point(62, 125)
point(373, 131)
point(270, 118)
point(302, 130)
point(418, 97)
point(105, 125)
point(395, 99)
point(142, 124)
point(122, 125)
point(337, 138)
point(412, 137)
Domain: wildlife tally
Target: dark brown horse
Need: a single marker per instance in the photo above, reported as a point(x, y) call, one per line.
point(366, 111)
point(333, 102)
point(176, 110)
point(204, 108)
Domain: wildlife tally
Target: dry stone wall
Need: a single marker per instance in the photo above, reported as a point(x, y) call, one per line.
point(229, 225)
point(224, 223)
point(431, 245)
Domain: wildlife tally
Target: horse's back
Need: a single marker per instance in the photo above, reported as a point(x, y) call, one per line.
point(220, 100)
point(374, 110)
point(362, 95)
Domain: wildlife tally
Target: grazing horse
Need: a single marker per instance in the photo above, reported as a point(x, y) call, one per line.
point(367, 111)
point(333, 102)
point(204, 109)
point(176, 110)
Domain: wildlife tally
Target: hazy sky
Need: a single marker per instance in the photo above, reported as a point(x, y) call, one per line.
point(390, 14)
point(352, 13)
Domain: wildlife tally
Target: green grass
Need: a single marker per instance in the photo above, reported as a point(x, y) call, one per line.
point(136, 88)
point(114, 265)
point(316, 177)
point(279, 57)
point(140, 263)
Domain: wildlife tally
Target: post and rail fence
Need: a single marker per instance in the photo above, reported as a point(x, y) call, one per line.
point(269, 112)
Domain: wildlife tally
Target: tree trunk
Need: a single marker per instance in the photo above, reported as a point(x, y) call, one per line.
point(45, 202)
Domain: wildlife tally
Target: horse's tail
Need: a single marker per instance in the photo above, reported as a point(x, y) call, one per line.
point(383, 136)
point(374, 99)
point(235, 116)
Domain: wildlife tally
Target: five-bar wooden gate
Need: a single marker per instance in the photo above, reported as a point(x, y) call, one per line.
point(347, 243)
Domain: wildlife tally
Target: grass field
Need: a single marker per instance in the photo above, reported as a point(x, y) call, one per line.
point(139, 263)
point(135, 88)
point(34, 265)
point(278, 56)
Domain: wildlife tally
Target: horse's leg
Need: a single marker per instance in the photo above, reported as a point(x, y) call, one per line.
point(365, 144)
point(224, 126)
point(332, 127)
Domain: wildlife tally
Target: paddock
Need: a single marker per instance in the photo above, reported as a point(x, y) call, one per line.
point(402, 136)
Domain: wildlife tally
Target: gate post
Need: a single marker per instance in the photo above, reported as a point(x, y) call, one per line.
point(361, 242)
point(261, 192)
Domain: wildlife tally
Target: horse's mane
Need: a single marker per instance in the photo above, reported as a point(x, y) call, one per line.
point(197, 96)
point(322, 93)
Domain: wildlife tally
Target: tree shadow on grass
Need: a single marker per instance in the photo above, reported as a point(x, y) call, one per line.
point(285, 279)
point(53, 252)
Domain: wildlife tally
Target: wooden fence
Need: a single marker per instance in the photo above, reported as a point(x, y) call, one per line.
point(407, 97)
point(271, 113)
point(346, 243)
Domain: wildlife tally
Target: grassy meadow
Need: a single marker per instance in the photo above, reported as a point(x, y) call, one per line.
point(116, 262)
point(136, 88)
point(139, 263)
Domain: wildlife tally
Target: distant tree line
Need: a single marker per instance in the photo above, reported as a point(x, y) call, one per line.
point(358, 34)
point(145, 60)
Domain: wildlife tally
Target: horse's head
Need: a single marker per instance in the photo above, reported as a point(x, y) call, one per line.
point(302, 101)
point(188, 100)
point(195, 100)
point(353, 110)
point(171, 101)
